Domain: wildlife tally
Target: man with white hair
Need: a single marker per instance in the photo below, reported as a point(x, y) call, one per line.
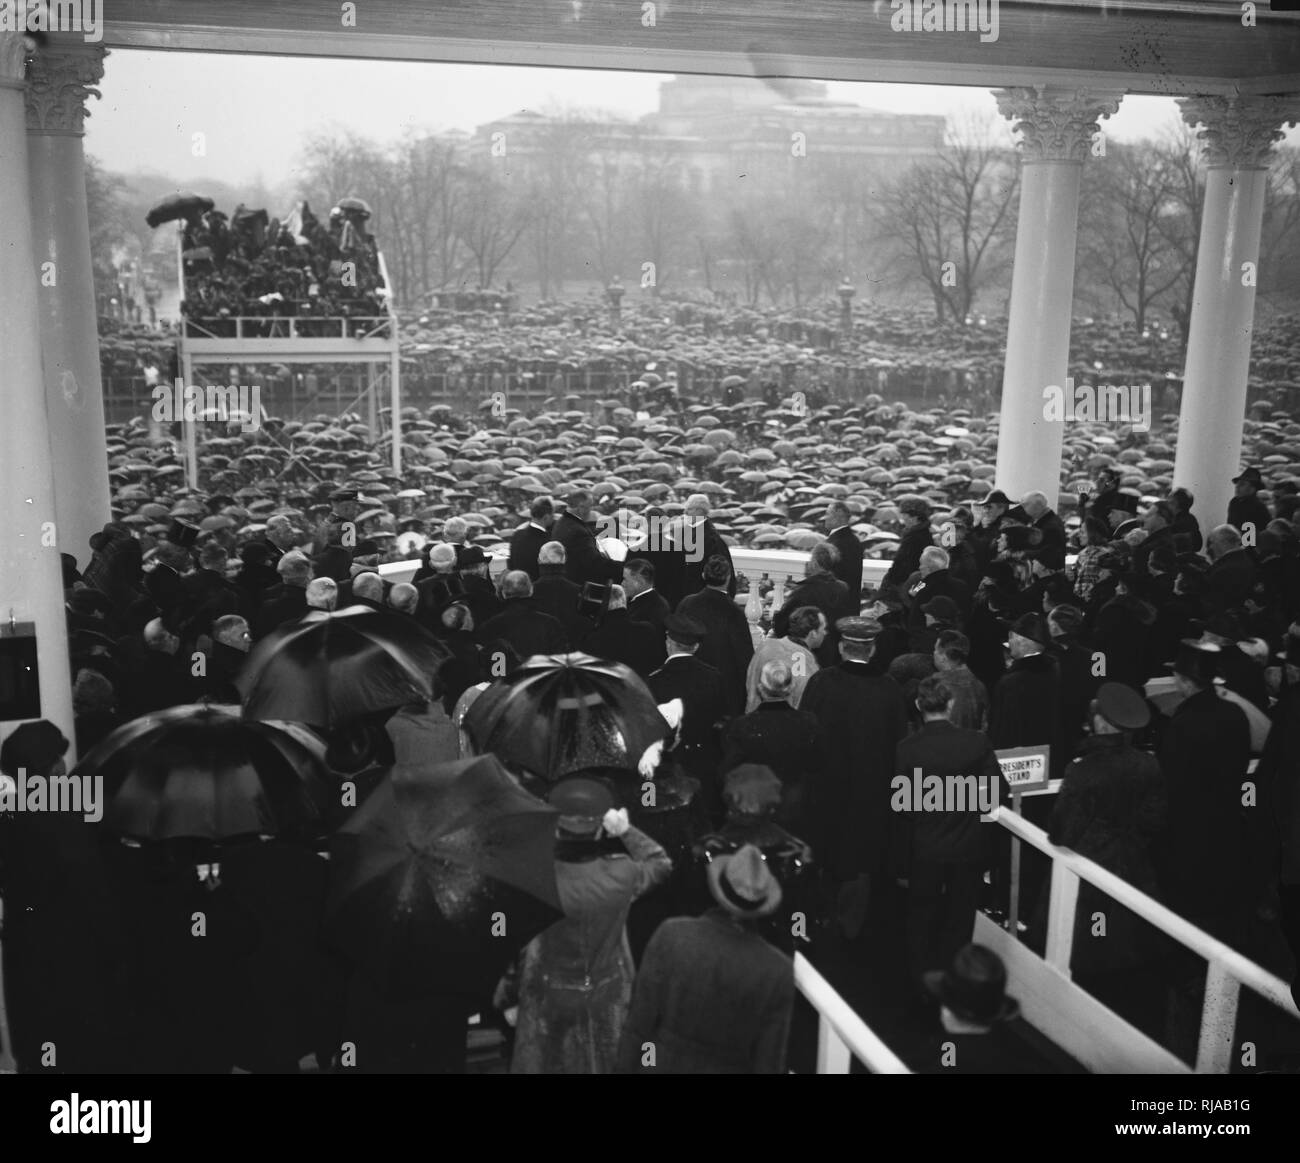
point(230, 645)
point(1051, 550)
point(556, 595)
point(322, 594)
point(1231, 578)
point(520, 623)
point(441, 585)
point(933, 580)
point(404, 598)
point(161, 678)
point(368, 590)
point(455, 531)
point(697, 541)
point(288, 600)
point(805, 632)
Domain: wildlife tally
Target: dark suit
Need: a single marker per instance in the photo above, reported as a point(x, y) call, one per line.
point(583, 560)
point(1027, 707)
point(481, 597)
point(527, 629)
point(784, 739)
point(1231, 580)
point(849, 567)
point(712, 997)
point(1204, 755)
point(940, 583)
point(699, 686)
point(525, 544)
point(831, 596)
point(862, 721)
point(946, 851)
point(1051, 550)
point(556, 595)
point(280, 604)
point(1244, 510)
point(907, 558)
point(650, 606)
point(619, 638)
point(728, 645)
point(705, 542)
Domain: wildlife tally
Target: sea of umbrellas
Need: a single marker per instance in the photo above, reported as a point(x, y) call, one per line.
point(769, 472)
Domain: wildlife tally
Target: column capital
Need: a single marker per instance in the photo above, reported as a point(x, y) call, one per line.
point(1055, 125)
point(1239, 132)
point(59, 79)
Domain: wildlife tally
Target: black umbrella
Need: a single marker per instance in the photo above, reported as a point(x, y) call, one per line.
point(185, 205)
point(329, 668)
point(441, 877)
point(564, 713)
point(205, 772)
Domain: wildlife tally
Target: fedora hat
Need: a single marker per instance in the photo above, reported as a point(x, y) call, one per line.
point(742, 883)
point(974, 987)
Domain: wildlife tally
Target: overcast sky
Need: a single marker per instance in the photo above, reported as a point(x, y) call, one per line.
point(256, 112)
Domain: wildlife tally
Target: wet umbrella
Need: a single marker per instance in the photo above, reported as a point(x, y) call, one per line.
point(441, 876)
point(185, 205)
point(203, 771)
point(558, 714)
point(329, 668)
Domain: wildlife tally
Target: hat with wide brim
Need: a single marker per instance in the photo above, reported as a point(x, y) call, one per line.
point(743, 884)
point(974, 987)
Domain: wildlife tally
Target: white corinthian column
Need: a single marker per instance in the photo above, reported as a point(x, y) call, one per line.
point(1237, 136)
point(58, 80)
point(1057, 128)
point(31, 577)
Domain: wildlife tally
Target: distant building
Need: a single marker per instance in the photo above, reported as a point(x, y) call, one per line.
point(716, 132)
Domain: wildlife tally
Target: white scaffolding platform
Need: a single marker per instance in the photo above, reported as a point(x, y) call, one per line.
point(371, 341)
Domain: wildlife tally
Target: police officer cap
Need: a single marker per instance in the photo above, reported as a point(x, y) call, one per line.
point(858, 629)
point(1121, 706)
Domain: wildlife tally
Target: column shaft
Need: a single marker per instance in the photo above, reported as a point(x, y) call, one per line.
point(31, 576)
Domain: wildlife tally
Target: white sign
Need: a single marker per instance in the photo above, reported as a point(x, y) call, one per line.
point(1024, 767)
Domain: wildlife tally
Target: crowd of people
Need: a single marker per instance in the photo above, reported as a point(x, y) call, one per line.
point(1157, 660)
point(252, 265)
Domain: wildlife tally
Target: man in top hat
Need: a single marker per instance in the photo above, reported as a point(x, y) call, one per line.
point(1026, 710)
point(1205, 756)
point(477, 590)
point(973, 1010)
point(711, 995)
point(684, 676)
point(1111, 809)
point(1245, 508)
point(862, 720)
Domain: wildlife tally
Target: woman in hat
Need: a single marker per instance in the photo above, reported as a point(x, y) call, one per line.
point(712, 996)
point(575, 979)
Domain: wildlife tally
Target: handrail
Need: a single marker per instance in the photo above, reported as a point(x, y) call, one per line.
point(840, 1031)
point(1267, 985)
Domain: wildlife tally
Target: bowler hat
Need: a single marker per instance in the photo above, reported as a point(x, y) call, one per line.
point(684, 629)
point(1251, 474)
point(33, 747)
point(1033, 627)
point(469, 556)
point(943, 608)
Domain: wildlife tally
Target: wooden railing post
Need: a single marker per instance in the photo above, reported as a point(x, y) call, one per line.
point(1063, 902)
point(833, 1055)
point(1218, 1021)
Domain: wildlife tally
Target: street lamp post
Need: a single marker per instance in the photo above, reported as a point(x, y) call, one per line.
point(846, 292)
point(614, 295)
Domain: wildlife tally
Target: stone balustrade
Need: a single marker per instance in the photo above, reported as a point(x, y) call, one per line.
point(783, 568)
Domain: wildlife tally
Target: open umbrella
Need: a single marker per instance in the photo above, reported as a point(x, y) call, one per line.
point(203, 771)
point(185, 205)
point(328, 668)
point(441, 877)
point(558, 714)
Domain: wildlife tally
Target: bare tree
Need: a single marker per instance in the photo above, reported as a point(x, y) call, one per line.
point(493, 221)
point(951, 218)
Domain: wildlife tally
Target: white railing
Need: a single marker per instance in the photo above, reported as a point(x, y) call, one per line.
point(841, 1034)
point(1226, 969)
